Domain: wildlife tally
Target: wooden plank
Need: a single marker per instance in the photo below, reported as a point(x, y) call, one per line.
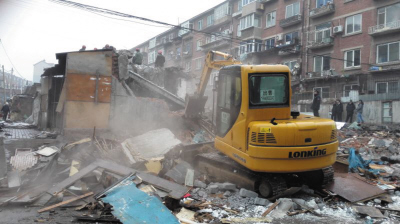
point(65, 202)
point(270, 208)
point(83, 88)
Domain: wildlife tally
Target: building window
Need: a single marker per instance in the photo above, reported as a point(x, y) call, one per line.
point(292, 10)
point(252, 20)
point(200, 25)
point(271, 19)
point(348, 88)
point(388, 52)
point(198, 45)
point(322, 63)
point(198, 63)
point(240, 5)
point(352, 58)
point(290, 38)
point(188, 66)
point(320, 3)
point(353, 24)
point(151, 57)
point(210, 20)
point(389, 14)
point(269, 43)
point(238, 32)
point(178, 53)
point(152, 43)
point(187, 48)
point(323, 91)
point(246, 2)
point(387, 87)
point(250, 46)
point(387, 112)
point(323, 33)
point(222, 11)
point(290, 64)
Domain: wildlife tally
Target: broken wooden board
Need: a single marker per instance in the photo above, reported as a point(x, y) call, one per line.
point(369, 211)
point(174, 190)
point(65, 202)
point(353, 189)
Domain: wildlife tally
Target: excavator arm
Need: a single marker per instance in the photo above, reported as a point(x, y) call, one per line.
point(195, 103)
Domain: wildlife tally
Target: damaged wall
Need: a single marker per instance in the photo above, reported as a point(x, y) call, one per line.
point(133, 115)
point(88, 90)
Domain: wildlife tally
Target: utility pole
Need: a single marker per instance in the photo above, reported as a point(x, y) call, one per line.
point(11, 78)
point(4, 86)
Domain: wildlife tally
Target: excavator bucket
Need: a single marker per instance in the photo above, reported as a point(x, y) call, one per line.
point(194, 105)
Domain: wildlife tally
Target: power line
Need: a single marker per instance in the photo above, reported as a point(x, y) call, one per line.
point(2, 44)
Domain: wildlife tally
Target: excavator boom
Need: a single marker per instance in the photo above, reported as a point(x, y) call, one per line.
point(195, 103)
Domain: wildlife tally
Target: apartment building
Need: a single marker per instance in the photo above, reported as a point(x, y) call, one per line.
point(346, 49)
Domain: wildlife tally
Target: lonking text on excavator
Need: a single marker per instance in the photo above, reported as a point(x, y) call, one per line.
point(263, 145)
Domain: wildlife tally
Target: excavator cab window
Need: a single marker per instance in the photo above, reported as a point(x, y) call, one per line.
point(229, 100)
point(268, 90)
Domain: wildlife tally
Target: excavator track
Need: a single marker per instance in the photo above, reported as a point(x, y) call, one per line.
point(220, 168)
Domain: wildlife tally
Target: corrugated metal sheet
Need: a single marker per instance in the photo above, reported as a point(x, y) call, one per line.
point(131, 205)
point(23, 159)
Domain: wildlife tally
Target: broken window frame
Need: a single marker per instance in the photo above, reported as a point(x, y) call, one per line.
point(390, 87)
point(346, 91)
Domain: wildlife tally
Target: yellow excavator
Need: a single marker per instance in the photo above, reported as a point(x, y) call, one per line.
point(263, 145)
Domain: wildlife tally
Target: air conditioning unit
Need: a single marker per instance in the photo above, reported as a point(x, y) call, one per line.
point(337, 29)
point(278, 37)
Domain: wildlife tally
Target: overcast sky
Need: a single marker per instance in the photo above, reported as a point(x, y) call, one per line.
point(33, 30)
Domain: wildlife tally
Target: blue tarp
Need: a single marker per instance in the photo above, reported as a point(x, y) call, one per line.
point(355, 161)
point(132, 205)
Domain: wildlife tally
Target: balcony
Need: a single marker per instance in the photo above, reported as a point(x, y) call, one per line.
point(386, 28)
point(216, 44)
point(254, 7)
point(237, 14)
point(393, 66)
point(223, 20)
point(290, 21)
point(289, 50)
point(267, 1)
point(252, 33)
point(322, 11)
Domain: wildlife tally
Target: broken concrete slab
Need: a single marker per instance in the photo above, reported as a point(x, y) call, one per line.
point(369, 211)
point(178, 173)
point(284, 206)
point(213, 188)
point(14, 179)
point(261, 201)
point(189, 179)
point(247, 194)
point(149, 145)
point(200, 184)
point(227, 186)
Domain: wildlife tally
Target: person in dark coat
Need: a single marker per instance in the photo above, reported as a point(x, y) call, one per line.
point(6, 110)
point(160, 60)
point(339, 110)
point(350, 111)
point(316, 103)
point(334, 110)
point(138, 58)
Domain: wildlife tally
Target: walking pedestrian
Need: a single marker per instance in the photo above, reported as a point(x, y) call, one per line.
point(316, 103)
point(339, 110)
point(334, 111)
point(6, 110)
point(350, 111)
point(359, 110)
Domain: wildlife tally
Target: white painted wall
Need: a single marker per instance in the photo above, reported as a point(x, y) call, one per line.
point(38, 70)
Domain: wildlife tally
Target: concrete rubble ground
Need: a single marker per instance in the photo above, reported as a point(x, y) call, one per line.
point(53, 181)
point(52, 178)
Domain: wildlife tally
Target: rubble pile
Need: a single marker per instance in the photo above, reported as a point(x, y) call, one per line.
point(106, 180)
